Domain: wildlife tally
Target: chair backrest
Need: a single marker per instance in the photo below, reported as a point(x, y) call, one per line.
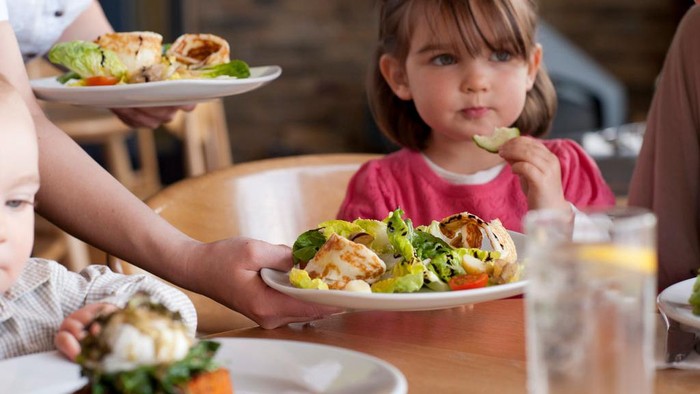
point(274, 200)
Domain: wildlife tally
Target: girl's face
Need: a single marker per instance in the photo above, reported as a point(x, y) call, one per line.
point(19, 183)
point(459, 95)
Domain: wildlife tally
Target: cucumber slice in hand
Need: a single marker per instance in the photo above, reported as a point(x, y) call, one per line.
point(500, 136)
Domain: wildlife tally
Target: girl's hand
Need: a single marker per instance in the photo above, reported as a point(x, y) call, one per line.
point(539, 171)
point(74, 328)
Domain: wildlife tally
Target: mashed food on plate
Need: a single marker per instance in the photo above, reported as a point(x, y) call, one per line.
point(459, 252)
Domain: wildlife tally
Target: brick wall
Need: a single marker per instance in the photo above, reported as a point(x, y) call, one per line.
point(323, 46)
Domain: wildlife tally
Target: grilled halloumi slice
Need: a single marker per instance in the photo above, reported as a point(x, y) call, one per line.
point(199, 50)
point(138, 50)
point(340, 261)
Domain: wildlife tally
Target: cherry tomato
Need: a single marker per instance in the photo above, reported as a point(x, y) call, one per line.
point(101, 80)
point(468, 281)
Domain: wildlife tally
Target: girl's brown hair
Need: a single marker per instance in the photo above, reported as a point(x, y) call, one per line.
point(512, 27)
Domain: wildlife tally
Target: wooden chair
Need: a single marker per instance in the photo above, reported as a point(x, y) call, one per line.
point(204, 134)
point(273, 200)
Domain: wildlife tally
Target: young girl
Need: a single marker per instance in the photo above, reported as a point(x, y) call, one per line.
point(445, 71)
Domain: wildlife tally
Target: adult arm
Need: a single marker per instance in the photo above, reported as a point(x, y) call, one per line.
point(86, 201)
point(666, 178)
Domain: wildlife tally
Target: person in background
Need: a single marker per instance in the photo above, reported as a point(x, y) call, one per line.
point(41, 302)
point(83, 199)
point(443, 73)
point(666, 177)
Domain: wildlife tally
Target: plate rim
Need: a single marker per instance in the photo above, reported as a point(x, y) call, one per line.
point(399, 380)
point(668, 308)
point(393, 301)
point(146, 94)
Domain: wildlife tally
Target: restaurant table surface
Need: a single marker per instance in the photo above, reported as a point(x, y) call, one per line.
point(469, 349)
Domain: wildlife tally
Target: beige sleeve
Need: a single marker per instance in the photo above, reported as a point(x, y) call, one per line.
point(667, 174)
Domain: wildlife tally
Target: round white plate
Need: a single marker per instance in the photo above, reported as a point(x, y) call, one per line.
point(153, 94)
point(422, 300)
point(673, 302)
point(255, 365)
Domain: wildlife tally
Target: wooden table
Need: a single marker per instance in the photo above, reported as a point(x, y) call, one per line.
point(470, 349)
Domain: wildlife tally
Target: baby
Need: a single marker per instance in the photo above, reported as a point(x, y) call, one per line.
point(44, 306)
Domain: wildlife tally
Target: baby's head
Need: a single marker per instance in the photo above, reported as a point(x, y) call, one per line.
point(470, 26)
point(19, 183)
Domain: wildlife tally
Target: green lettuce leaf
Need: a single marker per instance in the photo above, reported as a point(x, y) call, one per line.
point(405, 278)
point(234, 68)
point(306, 246)
point(694, 299)
point(301, 279)
point(87, 59)
point(400, 233)
point(377, 229)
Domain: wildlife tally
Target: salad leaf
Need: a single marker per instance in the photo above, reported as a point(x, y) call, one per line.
point(234, 68)
point(301, 279)
point(65, 77)
point(340, 227)
point(306, 245)
point(87, 59)
point(376, 229)
point(405, 278)
point(694, 299)
point(400, 233)
point(442, 259)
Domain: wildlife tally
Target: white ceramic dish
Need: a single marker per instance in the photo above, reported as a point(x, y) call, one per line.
point(673, 302)
point(153, 94)
point(422, 300)
point(256, 366)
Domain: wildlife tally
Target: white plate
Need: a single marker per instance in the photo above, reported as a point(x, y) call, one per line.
point(673, 302)
point(256, 366)
point(422, 300)
point(153, 94)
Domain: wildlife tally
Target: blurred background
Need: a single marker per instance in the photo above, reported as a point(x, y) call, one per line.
point(603, 56)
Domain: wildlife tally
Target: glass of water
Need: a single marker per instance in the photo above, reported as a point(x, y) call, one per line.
point(590, 300)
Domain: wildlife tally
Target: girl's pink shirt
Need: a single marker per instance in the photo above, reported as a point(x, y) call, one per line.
point(404, 180)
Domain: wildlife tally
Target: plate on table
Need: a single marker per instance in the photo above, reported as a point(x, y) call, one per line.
point(673, 302)
point(153, 94)
point(421, 300)
point(255, 365)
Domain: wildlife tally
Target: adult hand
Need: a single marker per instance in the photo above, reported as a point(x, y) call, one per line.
point(230, 273)
point(74, 328)
point(149, 117)
point(539, 171)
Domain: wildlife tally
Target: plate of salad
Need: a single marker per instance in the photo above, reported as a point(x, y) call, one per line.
point(681, 302)
point(136, 69)
point(391, 265)
point(154, 94)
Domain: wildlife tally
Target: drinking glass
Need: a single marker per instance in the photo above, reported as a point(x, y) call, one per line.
point(590, 300)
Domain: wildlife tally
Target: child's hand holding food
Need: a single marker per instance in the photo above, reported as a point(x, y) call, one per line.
point(74, 328)
point(539, 171)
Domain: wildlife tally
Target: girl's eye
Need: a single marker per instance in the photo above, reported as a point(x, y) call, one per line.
point(444, 60)
point(501, 56)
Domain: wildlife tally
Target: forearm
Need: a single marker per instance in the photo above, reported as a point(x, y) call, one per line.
point(82, 198)
point(90, 24)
